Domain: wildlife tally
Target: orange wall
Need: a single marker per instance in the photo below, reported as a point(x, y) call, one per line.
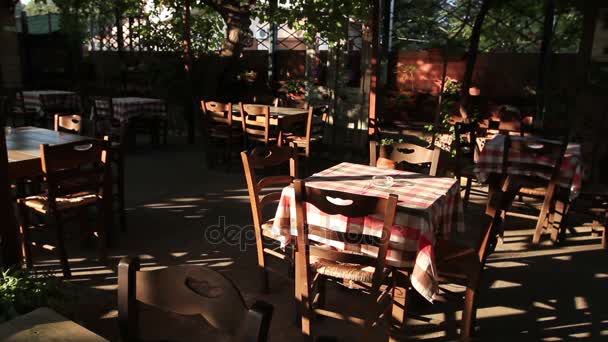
point(498, 75)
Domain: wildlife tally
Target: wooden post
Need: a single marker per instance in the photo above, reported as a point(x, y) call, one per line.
point(187, 43)
point(8, 228)
point(472, 57)
point(544, 62)
point(372, 116)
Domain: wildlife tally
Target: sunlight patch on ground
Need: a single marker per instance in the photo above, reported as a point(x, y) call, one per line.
point(580, 303)
point(189, 199)
point(112, 287)
point(178, 254)
point(563, 257)
point(601, 275)
point(541, 305)
point(502, 284)
point(110, 314)
point(548, 318)
point(506, 264)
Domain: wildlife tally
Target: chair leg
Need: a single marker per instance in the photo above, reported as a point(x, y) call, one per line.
point(541, 220)
point(399, 310)
point(101, 230)
point(469, 314)
point(467, 191)
point(604, 243)
point(63, 258)
point(121, 192)
point(261, 261)
point(25, 236)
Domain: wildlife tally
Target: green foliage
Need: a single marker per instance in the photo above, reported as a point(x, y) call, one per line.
point(22, 291)
point(40, 7)
point(510, 26)
point(295, 86)
point(325, 18)
point(165, 27)
point(390, 141)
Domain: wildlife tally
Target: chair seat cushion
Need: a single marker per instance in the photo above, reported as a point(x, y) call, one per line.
point(352, 272)
point(40, 203)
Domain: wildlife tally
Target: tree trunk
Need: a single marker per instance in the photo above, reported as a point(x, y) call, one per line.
point(472, 57)
point(237, 30)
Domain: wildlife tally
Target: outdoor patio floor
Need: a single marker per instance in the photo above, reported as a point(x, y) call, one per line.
point(547, 293)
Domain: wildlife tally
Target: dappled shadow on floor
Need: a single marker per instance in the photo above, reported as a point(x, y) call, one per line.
point(528, 293)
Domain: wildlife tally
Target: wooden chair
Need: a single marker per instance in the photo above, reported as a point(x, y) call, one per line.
point(256, 124)
point(598, 195)
point(462, 265)
point(261, 195)
point(53, 105)
point(70, 123)
point(465, 145)
point(76, 174)
point(188, 290)
point(16, 107)
point(316, 263)
point(111, 129)
point(313, 135)
point(552, 152)
point(220, 130)
point(415, 157)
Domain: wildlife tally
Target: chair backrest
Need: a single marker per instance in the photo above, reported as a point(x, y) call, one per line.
point(351, 206)
point(217, 112)
point(75, 167)
point(256, 122)
point(465, 143)
point(60, 104)
point(540, 156)
point(415, 156)
point(188, 290)
point(70, 123)
point(102, 107)
point(269, 157)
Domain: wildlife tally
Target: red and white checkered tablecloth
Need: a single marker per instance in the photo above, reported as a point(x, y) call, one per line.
point(427, 207)
point(33, 99)
point(126, 108)
point(490, 161)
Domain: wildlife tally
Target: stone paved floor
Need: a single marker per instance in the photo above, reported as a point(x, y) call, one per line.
point(549, 293)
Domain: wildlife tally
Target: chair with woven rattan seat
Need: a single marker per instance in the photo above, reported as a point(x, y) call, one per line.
point(77, 176)
point(220, 131)
point(407, 156)
point(465, 145)
point(262, 192)
point(316, 263)
point(463, 265)
point(187, 290)
point(551, 152)
point(68, 123)
point(256, 124)
point(107, 127)
point(313, 135)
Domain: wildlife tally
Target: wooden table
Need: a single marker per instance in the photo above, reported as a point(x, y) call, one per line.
point(32, 99)
point(23, 146)
point(45, 324)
